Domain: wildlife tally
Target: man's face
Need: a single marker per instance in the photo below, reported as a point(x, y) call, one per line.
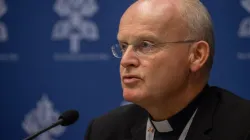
point(148, 78)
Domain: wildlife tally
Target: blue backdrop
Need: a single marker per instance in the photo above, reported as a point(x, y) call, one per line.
point(55, 55)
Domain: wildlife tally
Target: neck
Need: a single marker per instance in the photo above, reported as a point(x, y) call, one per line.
point(166, 108)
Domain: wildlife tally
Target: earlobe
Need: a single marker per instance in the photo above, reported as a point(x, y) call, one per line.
point(199, 55)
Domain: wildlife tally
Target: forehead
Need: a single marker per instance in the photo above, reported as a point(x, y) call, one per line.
point(148, 21)
point(134, 31)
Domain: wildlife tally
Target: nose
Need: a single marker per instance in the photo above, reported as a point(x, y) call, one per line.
point(129, 58)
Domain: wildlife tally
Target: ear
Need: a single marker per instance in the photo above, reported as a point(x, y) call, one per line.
point(199, 53)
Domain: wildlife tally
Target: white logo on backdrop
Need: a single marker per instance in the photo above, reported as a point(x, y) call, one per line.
point(75, 27)
point(5, 57)
point(3, 28)
point(244, 29)
point(40, 117)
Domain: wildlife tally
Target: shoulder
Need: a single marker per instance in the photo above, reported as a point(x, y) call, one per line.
point(230, 99)
point(232, 113)
point(122, 113)
point(116, 122)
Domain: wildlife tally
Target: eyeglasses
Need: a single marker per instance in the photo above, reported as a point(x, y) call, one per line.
point(142, 48)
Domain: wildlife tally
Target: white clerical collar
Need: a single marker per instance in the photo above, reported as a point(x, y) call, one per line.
point(162, 126)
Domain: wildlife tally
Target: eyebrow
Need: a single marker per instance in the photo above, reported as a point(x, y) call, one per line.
point(140, 36)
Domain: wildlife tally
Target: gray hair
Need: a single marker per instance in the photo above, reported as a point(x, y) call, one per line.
point(199, 24)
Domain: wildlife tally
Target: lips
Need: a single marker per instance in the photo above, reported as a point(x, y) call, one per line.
point(130, 79)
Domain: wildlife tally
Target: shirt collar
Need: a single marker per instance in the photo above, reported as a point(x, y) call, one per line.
point(162, 126)
point(177, 122)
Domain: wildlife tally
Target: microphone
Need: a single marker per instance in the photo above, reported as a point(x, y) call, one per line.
point(67, 118)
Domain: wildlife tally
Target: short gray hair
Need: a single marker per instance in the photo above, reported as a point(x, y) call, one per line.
point(199, 24)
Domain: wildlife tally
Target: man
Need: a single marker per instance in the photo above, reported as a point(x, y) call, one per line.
point(166, 49)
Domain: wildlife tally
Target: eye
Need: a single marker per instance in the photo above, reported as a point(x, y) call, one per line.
point(145, 47)
point(123, 46)
point(146, 44)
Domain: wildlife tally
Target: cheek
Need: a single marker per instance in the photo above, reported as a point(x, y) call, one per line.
point(176, 60)
point(155, 71)
point(121, 69)
point(164, 72)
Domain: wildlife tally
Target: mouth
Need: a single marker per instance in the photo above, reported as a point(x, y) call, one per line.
point(130, 79)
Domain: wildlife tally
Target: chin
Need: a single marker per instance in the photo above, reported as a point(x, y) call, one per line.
point(133, 95)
